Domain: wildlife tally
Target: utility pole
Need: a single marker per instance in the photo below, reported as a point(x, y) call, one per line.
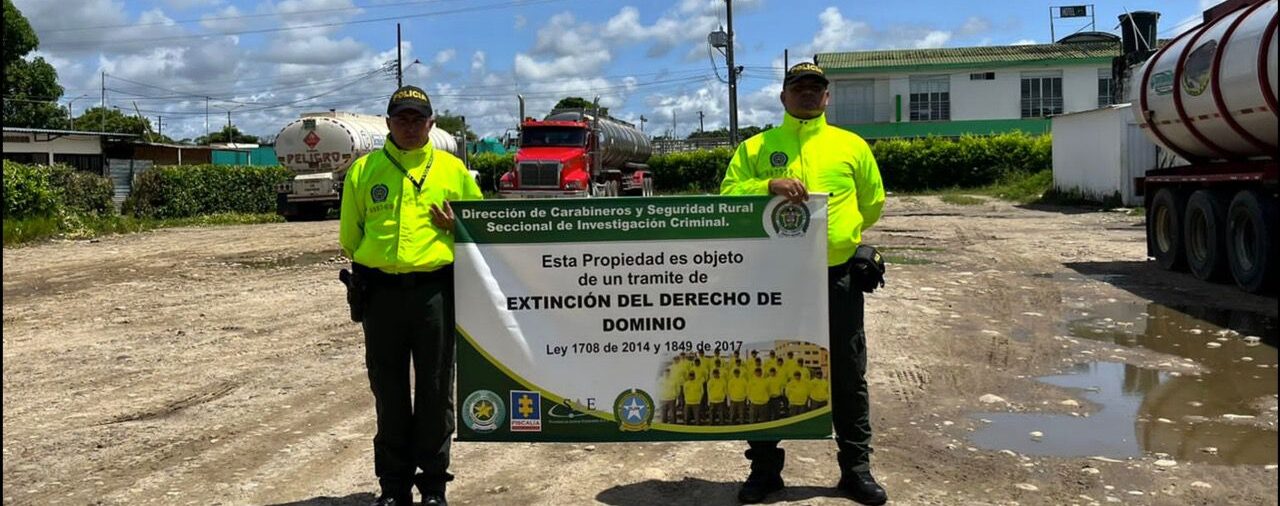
point(673, 123)
point(786, 64)
point(399, 62)
point(160, 125)
point(642, 120)
point(102, 125)
point(700, 126)
point(207, 138)
point(230, 138)
point(733, 77)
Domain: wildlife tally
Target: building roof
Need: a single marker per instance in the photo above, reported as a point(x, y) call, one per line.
point(969, 57)
point(64, 132)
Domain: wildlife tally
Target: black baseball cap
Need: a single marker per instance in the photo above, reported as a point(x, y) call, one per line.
point(802, 70)
point(410, 98)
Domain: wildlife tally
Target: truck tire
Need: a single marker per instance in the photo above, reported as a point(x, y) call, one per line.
point(1251, 241)
point(1203, 235)
point(1164, 229)
point(612, 187)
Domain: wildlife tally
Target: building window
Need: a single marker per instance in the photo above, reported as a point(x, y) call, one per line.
point(1041, 94)
point(983, 76)
point(852, 101)
point(1104, 87)
point(930, 98)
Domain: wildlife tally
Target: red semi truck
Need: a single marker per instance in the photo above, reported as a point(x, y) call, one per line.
point(578, 153)
point(1209, 96)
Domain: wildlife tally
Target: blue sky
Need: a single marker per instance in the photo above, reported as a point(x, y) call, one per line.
point(267, 61)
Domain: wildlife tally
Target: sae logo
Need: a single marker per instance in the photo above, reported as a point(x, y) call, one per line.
point(526, 411)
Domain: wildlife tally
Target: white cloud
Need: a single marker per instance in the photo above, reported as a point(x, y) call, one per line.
point(837, 33)
point(188, 4)
point(445, 56)
point(478, 61)
point(1024, 42)
point(974, 25)
point(563, 47)
point(520, 21)
point(933, 39)
point(223, 20)
point(316, 50)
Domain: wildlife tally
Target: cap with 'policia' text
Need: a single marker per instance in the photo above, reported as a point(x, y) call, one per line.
point(802, 70)
point(409, 98)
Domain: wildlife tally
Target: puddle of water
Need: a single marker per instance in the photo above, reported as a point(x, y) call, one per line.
point(1149, 410)
point(315, 257)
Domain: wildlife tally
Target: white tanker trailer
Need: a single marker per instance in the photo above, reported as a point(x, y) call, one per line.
point(318, 148)
point(1209, 95)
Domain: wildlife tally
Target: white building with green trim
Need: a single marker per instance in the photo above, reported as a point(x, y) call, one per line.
point(967, 90)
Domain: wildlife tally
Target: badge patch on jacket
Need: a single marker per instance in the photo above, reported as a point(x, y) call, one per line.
point(379, 192)
point(778, 159)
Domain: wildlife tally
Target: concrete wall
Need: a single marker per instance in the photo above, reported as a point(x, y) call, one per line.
point(41, 143)
point(1099, 152)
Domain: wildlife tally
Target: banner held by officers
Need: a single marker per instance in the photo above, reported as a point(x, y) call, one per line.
point(642, 319)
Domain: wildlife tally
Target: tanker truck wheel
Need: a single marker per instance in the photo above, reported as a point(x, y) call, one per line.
point(1164, 229)
point(1251, 241)
point(612, 187)
point(1203, 236)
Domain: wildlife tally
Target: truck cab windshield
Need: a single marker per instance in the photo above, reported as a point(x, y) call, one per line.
point(553, 136)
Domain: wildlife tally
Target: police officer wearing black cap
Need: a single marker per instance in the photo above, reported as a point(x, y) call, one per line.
point(806, 154)
point(397, 228)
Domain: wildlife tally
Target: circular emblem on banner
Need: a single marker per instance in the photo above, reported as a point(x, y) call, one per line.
point(483, 411)
point(778, 159)
point(634, 409)
point(790, 219)
point(379, 192)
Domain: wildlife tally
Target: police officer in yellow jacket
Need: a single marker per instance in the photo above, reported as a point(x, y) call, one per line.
point(806, 154)
point(397, 227)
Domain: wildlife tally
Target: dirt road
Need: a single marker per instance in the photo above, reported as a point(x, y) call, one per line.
point(217, 366)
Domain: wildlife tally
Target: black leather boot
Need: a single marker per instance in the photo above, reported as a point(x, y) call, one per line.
point(765, 477)
point(862, 487)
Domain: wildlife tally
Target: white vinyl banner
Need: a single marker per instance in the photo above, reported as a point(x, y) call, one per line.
point(642, 319)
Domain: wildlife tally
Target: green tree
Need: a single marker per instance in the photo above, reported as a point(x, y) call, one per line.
point(227, 132)
point(97, 119)
point(31, 89)
point(452, 123)
point(578, 103)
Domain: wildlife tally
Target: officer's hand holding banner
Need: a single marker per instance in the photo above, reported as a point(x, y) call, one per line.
point(641, 319)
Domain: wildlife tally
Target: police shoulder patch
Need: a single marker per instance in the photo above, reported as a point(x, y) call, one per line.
point(778, 159)
point(378, 192)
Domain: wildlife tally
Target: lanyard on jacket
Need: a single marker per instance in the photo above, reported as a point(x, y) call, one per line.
point(417, 183)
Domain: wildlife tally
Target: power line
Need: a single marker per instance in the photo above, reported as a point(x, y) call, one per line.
point(97, 43)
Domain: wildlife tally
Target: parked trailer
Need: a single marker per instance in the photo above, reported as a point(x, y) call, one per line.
point(318, 147)
point(1209, 96)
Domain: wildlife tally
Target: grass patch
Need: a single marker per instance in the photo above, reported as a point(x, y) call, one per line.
point(961, 200)
point(912, 248)
point(28, 230)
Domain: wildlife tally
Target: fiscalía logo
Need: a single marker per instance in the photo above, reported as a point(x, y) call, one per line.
point(526, 411)
point(378, 192)
point(634, 410)
point(483, 411)
point(790, 219)
point(778, 159)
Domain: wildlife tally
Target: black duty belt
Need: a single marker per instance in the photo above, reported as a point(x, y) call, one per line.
point(378, 278)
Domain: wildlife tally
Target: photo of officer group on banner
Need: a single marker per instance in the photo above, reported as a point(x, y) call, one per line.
point(778, 380)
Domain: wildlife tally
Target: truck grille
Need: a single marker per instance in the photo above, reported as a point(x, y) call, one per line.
point(539, 174)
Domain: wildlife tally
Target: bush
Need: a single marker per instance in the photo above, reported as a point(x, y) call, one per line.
point(491, 166)
point(699, 171)
point(930, 163)
point(183, 191)
point(84, 192)
point(29, 191)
